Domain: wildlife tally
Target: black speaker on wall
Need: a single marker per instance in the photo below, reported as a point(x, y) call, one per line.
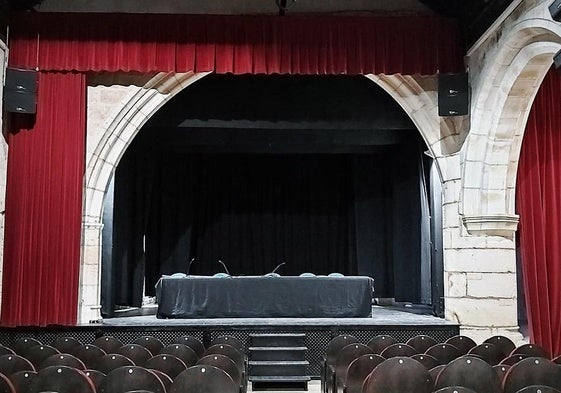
point(555, 10)
point(453, 94)
point(20, 91)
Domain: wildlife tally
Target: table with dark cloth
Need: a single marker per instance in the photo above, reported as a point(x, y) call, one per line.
point(264, 297)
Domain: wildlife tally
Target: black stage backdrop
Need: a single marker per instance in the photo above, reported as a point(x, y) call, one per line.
point(319, 213)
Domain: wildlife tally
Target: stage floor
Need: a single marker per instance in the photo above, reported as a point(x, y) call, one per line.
point(381, 316)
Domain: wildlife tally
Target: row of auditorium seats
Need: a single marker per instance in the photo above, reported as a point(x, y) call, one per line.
point(109, 366)
point(422, 365)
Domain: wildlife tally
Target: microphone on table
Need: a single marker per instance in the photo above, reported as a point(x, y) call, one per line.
point(189, 266)
point(225, 268)
point(278, 266)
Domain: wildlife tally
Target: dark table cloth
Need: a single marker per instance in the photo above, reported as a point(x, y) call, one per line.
point(264, 297)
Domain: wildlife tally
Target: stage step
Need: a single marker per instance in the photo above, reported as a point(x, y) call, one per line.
point(278, 361)
point(288, 382)
point(278, 353)
point(278, 340)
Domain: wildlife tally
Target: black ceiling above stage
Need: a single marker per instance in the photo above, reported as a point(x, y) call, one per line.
point(475, 16)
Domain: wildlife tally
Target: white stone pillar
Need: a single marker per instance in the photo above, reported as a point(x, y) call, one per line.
point(480, 285)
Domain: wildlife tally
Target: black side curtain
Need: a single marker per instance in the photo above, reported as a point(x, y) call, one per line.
point(319, 213)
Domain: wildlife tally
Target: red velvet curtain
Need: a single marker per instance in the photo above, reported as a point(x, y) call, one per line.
point(539, 205)
point(44, 207)
point(237, 44)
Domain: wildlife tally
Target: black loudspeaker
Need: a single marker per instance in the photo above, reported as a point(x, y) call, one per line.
point(557, 60)
point(20, 91)
point(555, 10)
point(453, 94)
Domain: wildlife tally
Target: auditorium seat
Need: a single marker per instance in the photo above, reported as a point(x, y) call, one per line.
point(150, 343)
point(61, 379)
point(207, 379)
point(488, 352)
point(501, 370)
point(358, 370)
point(426, 360)
point(433, 372)
point(230, 341)
point(344, 359)
point(398, 375)
point(228, 350)
point(168, 364)
point(470, 372)
point(38, 353)
point(513, 359)
point(22, 344)
point(6, 385)
point(88, 354)
point(463, 343)
point(95, 376)
point(444, 353)
point(327, 371)
point(135, 352)
point(22, 380)
point(532, 371)
point(10, 364)
point(398, 349)
point(186, 354)
point(193, 343)
point(381, 342)
point(63, 359)
point(504, 344)
point(557, 359)
point(110, 362)
point(109, 344)
point(131, 378)
point(66, 344)
point(421, 342)
point(223, 362)
point(531, 350)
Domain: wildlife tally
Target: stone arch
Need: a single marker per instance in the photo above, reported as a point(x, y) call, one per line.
point(500, 109)
point(137, 107)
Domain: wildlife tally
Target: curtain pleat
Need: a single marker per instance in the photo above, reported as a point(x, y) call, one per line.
point(539, 205)
point(236, 44)
point(44, 207)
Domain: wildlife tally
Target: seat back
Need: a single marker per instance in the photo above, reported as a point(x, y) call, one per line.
point(10, 364)
point(203, 378)
point(455, 389)
point(61, 379)
point(151, 343)
point(66, 344)
point(538, 389)
point(96, 377)
point(359, 369)
point(335, 345)
point(21, 380)
point(532, 371)
point(513, 359)
point(88, 354)
point(398, 350)
point(531, 350)
point(421, 342)
point(230, 340)
point(504, 344)
point(168, 364)
point(444, 353)
point(222, 362)
point(181, 351)
point(37, 354)
point(130, 378)
point(195, 344)
point(428, 361)
point(470, 372)
point(109, 344)
point(488, 352)
point(463, 343)
point(501, 370)
point(21, 344)
point(381, 342)
point(346, 356)
point(399, 375)
point(230, 351)
point(135, 352)
point(63, 359)
point(108, 363)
